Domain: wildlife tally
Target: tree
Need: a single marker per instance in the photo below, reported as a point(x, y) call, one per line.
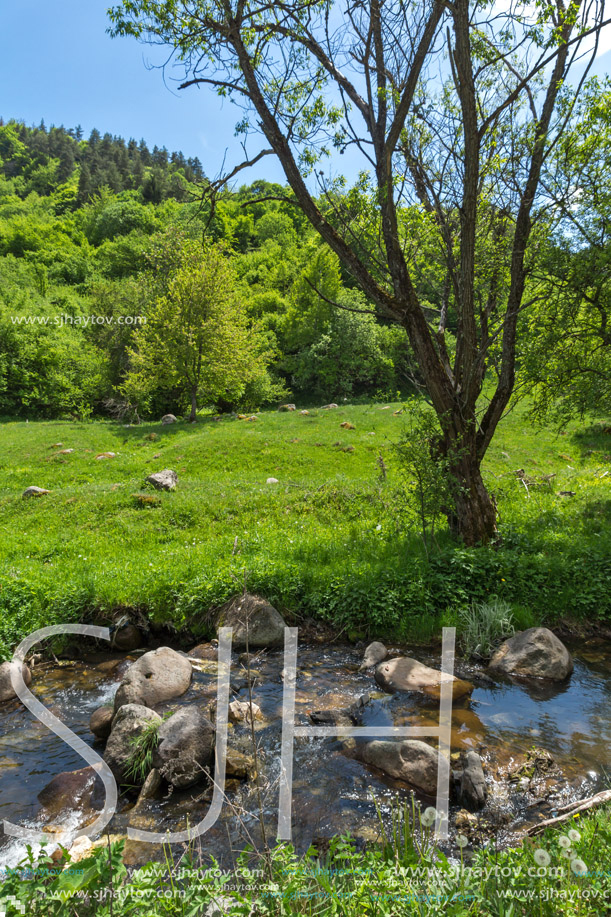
point(451, 105)
point(196, 339)
point(566, 354)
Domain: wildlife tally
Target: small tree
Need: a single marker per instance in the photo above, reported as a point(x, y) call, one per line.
point(197, 339)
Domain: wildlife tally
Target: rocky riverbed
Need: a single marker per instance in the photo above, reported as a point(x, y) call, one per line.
point(541, 742)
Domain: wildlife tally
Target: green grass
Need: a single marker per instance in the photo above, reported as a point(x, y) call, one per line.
point(407, 876)
point(327, 540)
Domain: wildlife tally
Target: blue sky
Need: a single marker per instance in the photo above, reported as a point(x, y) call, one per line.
point(58, 63)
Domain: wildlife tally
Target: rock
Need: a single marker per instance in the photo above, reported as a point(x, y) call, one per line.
point(411, 760)
point(340, 717)
point(186, 747)
point(238, 764)
point(239, 711)
point(406, 674)
point(105, 455)
point(127, 638)
point(101, 722)
point(65, 452)
point(204, 651)
point(158, 676)
point(472, 790)
point(375, 653)
point(249, 659)
point(163, 480)
point(80, 850)
point(7, 692)
point(265, 624)
point(305, 413)
point(327, 407)
point(35, 492)
point(56, 446)
point(465, 821)
point(127, 726)
point(536, 653)
point(168, 418)
point(287, 407)
point(151, 785)
point(272, 481)
point(82, 789)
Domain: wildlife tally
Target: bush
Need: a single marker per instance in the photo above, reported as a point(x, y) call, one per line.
point(483, 625)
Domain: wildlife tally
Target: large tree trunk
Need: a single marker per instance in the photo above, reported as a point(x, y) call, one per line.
point(473, 517)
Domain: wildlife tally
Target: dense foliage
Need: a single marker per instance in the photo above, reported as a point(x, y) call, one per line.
point(91, 235)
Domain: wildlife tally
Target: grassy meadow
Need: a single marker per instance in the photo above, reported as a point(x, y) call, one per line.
point(333, 539)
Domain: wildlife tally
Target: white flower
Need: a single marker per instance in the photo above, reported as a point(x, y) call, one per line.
point(428, 817)
point(461, 840)
point(564, 842)
point(574, 835)
point(579, 867)
point(565, 853)
point(542, 857)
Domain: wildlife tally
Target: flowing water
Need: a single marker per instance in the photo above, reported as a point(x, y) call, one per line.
point(331, 789)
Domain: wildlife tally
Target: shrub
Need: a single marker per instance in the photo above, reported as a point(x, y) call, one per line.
point(483, 625)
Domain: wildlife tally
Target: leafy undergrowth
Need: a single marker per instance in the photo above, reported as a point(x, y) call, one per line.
point(566, 871)
point(330, 540)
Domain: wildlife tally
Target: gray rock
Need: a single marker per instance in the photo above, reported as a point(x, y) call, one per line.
point(186, 747)
point(127, 726)
point(411, 760)
point(168, 418)
point(472, 790)
point(163, 480)
point(238, 764)
point(406, 674)
point(101, 722)
point(7, 691)
point(375, 653)
point(536, 653)
point(158, 676)
point(272, 481)
point(327, 407)
point(250, 612)
point(151, 785)
point(35, 492)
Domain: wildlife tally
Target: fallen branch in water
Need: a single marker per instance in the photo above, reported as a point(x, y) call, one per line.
point(572, 809)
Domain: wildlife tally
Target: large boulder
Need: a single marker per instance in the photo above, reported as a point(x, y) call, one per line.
point(186, 747)
point(375, 653)
point(82, 789)
point(7, 692)
point(406, 674)
point(163, 480)
point(129, 723)
point(156, 677)
point(251, 613)
point(411, 760)
point(168, 418)
point(536, 653)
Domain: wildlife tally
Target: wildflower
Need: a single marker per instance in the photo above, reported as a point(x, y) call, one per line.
point(565, 854)
point(579, 867)
point(428, 817)
point(461, 840)
point(574, 835)
point(542, 857)
point(564, 841)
